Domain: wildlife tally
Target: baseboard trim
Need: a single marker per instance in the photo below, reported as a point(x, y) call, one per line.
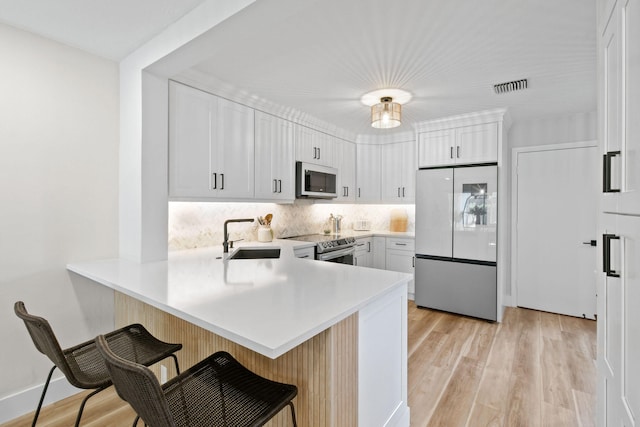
point(18, 404)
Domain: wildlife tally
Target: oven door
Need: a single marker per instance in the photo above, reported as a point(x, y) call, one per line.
point(340, 256)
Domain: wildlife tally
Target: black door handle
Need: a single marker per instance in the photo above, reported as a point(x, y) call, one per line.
point(591, 243)
point(606, 173)
point(606, 254)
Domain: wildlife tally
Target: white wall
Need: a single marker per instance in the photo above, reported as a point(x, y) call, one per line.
point(59, 200)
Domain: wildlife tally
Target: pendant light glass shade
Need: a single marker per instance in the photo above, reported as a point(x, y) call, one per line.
point(387, 114)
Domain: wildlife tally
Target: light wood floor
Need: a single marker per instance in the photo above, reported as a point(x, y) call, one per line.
point(533, 369)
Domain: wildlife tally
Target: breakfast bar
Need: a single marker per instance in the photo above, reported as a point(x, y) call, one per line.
point(338, 332)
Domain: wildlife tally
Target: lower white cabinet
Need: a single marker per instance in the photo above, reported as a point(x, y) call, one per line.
point(619, 322)
point(307, 253)
point(379, 252)
point(364, 252)
point(400, 256)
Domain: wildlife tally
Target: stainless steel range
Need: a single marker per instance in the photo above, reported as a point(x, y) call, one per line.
point(331, 247)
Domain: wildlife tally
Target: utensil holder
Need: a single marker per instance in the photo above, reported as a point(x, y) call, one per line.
point(265, 234)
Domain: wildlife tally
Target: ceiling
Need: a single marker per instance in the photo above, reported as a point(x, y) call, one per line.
point(320, 56)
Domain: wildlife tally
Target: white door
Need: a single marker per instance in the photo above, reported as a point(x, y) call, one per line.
point(556, 191)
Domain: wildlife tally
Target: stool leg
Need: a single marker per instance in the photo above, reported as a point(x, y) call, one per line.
point(175, 359)
point(44, 391)
point(293, 414)
point(84, 402)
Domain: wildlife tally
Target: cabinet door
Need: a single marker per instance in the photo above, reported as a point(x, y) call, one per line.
point(368, 173)
point(189, 127)
point(232, 150)
point(313, 146)
point(392, 161)
point(477, 144)
point(619, 322)
point(274, 161)
point(436, 148)
point(630, 197)
point(403, 261)
point(346, 163)
point(408, 171)
point(379, 252)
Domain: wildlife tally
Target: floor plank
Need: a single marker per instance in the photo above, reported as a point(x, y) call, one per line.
point(533, 369)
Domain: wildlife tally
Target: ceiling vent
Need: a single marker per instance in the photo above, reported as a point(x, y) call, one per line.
point(510, 86)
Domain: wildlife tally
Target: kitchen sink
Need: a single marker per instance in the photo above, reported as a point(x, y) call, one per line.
point(255, 253)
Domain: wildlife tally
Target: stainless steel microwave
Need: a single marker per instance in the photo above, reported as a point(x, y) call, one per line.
point(315, 181)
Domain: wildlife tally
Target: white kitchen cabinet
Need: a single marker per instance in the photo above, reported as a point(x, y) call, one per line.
point(274, 160)
point(619, 326)
point(211, 146)
point(306, 252)
point(368, 173)
point(620, 99)
point(619, 287)
point(379, 252)
point(398, 172)
point(400, 256)
point(460, 145)
point(313, 146)
point(364, 252)
point(345, 156)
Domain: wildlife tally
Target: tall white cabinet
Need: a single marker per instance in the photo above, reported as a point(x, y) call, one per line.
point(619, 287)
point(368, 173)
point(274, 162)
point(398, 172)
point(211, 146)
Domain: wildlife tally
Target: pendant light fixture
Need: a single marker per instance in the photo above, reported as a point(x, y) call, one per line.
point(387, 114)
point(386, 107)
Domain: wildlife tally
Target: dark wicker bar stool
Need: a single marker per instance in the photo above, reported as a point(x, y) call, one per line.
point(82, 365)
point(217, 391)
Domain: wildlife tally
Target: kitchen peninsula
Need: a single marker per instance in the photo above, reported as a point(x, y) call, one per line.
point(338, 332)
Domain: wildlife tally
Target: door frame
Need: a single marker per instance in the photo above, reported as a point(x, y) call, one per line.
point(514, 202)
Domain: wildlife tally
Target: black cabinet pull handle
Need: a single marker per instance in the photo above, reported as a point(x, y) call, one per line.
point(215, 181)
point(279, 186)
point(358, 191)
point(458, 151)
point(368, 246)
point(606, 172)
point(398, 191)
point(222, 181)
point(451, 154)
point(403, 192)
point(318, 153)
point(413, 262)
point(275, 186)
point(606, 254)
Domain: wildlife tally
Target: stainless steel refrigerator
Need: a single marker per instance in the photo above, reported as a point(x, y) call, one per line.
point(456, 222)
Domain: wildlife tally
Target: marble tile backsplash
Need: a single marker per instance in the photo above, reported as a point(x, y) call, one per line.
point(199, 224)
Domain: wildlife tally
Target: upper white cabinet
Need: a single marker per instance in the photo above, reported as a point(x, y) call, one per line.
point(345, 156)
point(313, 146)
point(274, 161)
point(461, 145)
point(619, 60)
point(398, 172)
point(211, 146)
point(368, 173)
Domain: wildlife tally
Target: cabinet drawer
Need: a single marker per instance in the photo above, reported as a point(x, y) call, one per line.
point(305, 252)
point(363, 245)
point(401, 244)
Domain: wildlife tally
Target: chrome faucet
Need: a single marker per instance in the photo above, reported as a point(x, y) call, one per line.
point(225, 244)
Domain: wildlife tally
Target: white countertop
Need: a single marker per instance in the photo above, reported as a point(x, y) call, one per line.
point(267, 305)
